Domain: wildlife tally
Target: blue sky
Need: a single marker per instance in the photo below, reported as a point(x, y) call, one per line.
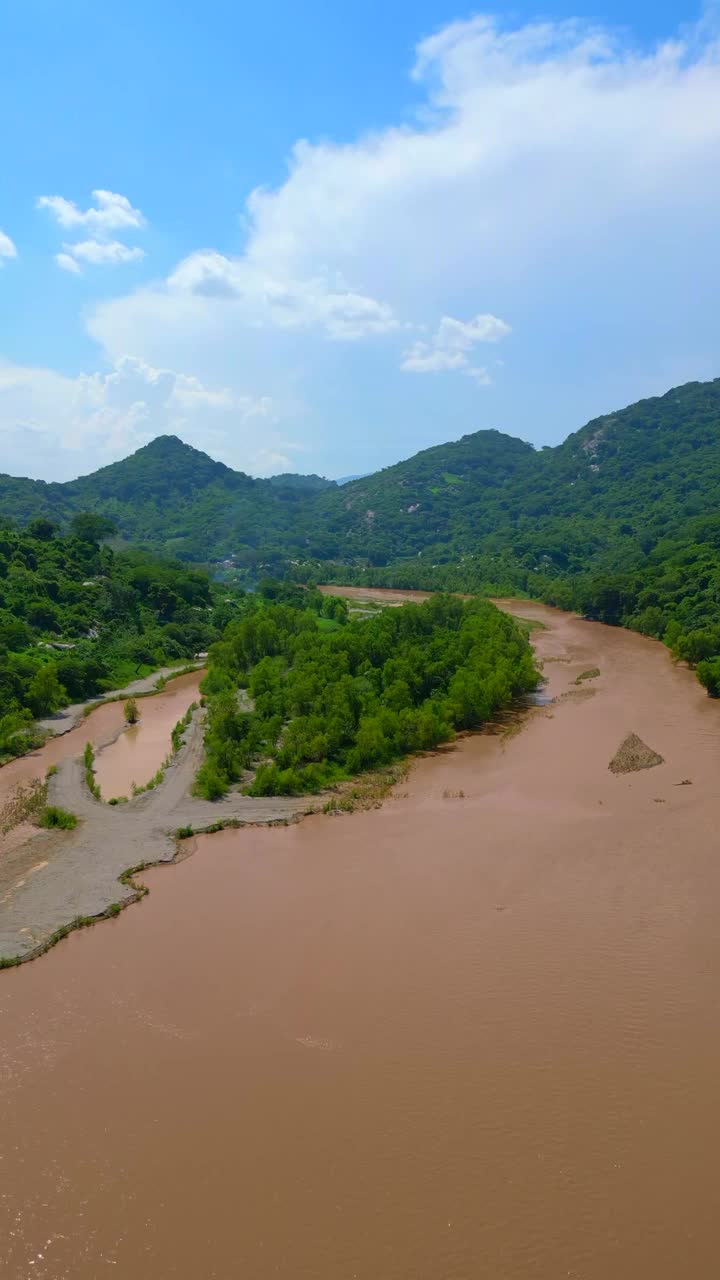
point(328, 236)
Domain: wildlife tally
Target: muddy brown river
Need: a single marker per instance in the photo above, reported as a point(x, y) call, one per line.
point(138, 753)
point(472, 1035)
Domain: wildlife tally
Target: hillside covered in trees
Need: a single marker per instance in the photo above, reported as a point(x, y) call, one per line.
point(173, 498)
point(77, 619)
point(615, 488)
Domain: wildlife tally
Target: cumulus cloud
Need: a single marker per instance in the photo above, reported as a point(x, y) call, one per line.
point(539, 150)
point(84, 422)
point(448, 348)
point(264, 297)
point(7, 248)
point(110, 212)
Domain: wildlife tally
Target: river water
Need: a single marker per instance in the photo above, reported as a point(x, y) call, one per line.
point(138, 753)
point(159, 714)
point(472, 1035)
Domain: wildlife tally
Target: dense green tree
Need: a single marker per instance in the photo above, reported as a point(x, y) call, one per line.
point(45, 694)
point(331, 704)
point(43, 529)
point(88, 526)
point(105, 616)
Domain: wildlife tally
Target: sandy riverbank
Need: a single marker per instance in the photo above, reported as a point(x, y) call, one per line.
point(54, 878)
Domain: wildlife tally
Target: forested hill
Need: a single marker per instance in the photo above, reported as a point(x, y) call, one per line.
point(77, 619)
point(630, 477)
point(606, 496)
point(172, 497)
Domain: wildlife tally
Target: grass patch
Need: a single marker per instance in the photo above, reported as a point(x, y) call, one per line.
point(154, 782)
point(55, 818)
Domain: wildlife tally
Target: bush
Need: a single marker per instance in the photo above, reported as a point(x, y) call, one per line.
point(89, 762)
point(709, 676)
point(132, 714)
point(209, 782)
point(54, 817)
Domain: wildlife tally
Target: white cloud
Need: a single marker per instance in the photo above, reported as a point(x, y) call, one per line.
point(111, 212)
point(7, 248)
point(78, 424)
point(98, 253)
point(539, 151)
point(447, 349)
point(421, 357)
point(266, 297)
point(460, 335)
point(68, 263)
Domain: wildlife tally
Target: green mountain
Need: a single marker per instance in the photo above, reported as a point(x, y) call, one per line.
point(172, 497)
point(627, 478)
point(620, 520)
point(619, 485)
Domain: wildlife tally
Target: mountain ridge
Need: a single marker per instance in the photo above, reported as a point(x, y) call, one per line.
point(627, 477)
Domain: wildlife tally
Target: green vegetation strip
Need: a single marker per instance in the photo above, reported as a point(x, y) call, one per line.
point(89, 762)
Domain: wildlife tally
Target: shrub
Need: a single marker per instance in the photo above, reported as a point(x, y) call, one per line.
point(54, 817)
point(89, 762)
point(132, 713)
point(209, 782)
point(709, 676)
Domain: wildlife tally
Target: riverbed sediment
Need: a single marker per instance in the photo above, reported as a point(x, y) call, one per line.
point(57, 878)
